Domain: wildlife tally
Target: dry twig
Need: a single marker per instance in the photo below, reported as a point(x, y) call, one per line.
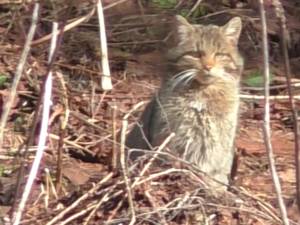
point(157, 152)
point(123, 162)
point(79, 200)
point(43, 134)
point(19, 71)
point(284, 44)
point(194, 8)
point(106, 83)
point(273, 87)
point(114, 136)
point(103, 199)
point(79, 214)
point(66, 28)
point(62, 131)
point(155, 205)
point(76, 22)
point(274, 97)
point(266, 127)
point(33, 127)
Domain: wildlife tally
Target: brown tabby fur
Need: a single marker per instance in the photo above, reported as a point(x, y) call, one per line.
point(199, 102)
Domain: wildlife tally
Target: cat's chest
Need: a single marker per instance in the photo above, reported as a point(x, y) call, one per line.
point(197, 106)
point(186, 110)
point(187, 104)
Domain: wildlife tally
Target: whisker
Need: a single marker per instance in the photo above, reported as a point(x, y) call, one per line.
point(183, 72)
point(176, 76)
point(183, 77)
point(189, 79)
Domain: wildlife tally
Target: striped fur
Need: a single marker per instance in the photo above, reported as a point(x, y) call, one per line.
point(199, 102)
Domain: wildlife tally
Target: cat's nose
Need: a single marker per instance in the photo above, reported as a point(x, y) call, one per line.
point(208, 67)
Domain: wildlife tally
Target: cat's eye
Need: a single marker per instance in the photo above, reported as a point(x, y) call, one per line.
point(196, 54)
point(223, 56)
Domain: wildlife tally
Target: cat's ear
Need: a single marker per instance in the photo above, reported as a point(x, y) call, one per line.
point(183, 27)
point(232, 29)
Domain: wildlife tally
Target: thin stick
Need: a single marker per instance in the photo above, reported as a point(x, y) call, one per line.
point(114, 4)
point(79, 200)
point(284, 44)
point(33, 127)
point(114, 212)
point(125, 166)
point(273, 87)
point(76, 23)
point(106, 83)
point(155, 206)
point(62, 131)
point(275, 97)
point(157, 152)
point(79, 214)
point(43, 135)
point(123, 162)
point(51, 184)
point(163, 173)
point(194, 8)
point(66, 28)
point(104, 199)
point(19, 71)
point(114, 136)
point(266, 126)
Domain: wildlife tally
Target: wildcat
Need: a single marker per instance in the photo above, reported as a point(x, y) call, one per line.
point(199, 100)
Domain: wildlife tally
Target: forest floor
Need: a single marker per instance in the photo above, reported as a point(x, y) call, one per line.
point(161, 195)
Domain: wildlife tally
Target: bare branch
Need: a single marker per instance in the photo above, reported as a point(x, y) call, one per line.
point(105, 79)
point(266, 126)
point(284, 44)
point(19, 72)
point(123, 162)
point(43, 134)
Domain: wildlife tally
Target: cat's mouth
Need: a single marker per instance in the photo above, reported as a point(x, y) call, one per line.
point(186, 77)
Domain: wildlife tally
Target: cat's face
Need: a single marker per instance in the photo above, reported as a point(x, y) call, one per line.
point(205, 53)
